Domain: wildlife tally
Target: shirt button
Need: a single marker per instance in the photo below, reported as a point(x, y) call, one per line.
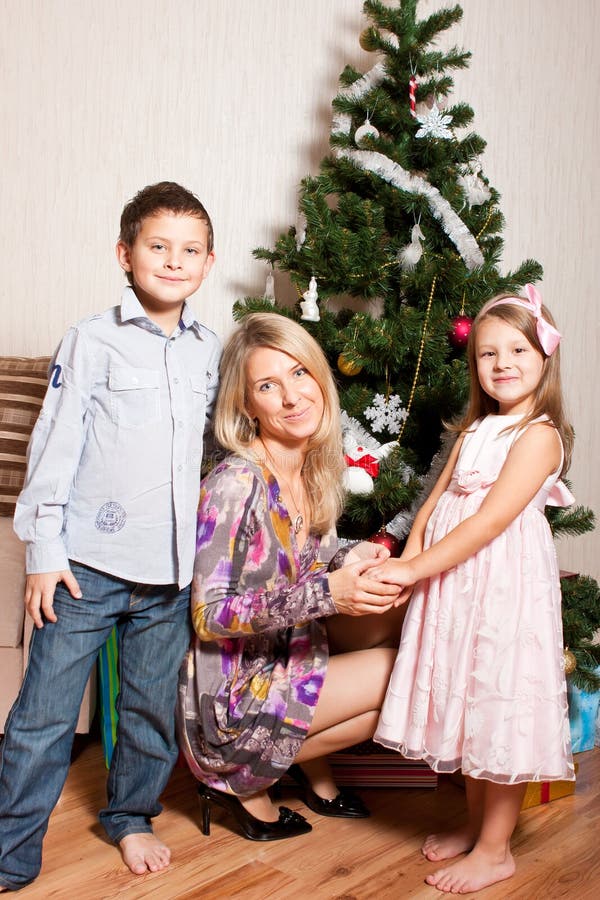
point(176, 380)
point(179, 468)
point(180, 424)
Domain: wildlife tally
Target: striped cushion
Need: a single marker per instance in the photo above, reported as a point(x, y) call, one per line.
point(23, 382)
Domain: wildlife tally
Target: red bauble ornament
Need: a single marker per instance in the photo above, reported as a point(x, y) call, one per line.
point(387, 540)
point(461, 326)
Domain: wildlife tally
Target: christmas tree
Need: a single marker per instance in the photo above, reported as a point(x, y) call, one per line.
point(401, 219)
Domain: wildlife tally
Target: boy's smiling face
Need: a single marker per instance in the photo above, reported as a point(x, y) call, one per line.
point(168, 261)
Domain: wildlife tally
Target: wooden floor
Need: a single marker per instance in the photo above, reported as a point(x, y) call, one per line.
point(556, 847)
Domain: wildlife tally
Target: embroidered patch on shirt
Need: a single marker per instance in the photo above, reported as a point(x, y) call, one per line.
point(55, 376)
point(111, 517)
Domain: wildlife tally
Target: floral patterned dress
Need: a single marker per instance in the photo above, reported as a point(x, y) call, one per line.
point(479, 683)
point(250, 682)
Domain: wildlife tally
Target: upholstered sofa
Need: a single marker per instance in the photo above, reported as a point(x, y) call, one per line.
point(22, 387)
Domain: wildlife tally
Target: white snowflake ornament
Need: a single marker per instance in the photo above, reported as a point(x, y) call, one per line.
point(434, 124)
point(386, 413)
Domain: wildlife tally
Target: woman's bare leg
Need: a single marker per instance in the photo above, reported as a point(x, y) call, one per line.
point(347, 711)
point(261, 806)
point(350, 633)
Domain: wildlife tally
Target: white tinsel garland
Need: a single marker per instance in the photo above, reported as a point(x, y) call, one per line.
point(393, 173)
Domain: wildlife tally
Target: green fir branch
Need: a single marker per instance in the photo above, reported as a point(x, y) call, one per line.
point(572, 520)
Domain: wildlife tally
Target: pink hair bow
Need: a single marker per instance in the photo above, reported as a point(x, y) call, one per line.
point(548, 336)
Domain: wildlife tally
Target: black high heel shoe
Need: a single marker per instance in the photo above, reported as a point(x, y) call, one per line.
point(347, 804)
point(290, 823)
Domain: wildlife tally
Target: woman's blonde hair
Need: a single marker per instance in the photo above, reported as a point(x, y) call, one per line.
point(235, 428)
point(548, 398)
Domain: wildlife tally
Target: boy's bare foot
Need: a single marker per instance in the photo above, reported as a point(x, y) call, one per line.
point(448, 844)
point(143, 853)
point(473, 873)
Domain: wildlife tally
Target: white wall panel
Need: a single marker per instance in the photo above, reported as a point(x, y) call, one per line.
point(233, 100)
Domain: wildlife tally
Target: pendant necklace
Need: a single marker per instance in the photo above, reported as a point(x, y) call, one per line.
point(298, 522)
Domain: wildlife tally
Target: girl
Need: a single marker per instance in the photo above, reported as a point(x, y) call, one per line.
point(478, 684)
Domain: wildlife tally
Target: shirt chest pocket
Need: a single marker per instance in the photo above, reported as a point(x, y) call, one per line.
point(134, 396)
point(199, 394)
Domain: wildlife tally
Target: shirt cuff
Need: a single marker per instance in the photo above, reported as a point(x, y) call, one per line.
point(50, 556)
point(338, 559)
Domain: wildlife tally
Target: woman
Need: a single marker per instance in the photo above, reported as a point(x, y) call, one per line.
point(258, 689)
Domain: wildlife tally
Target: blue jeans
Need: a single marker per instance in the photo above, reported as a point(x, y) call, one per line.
point(154, 631)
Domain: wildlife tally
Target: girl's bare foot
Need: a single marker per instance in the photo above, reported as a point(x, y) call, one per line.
point(448, 844)
point(473, 873)
point(143, 852)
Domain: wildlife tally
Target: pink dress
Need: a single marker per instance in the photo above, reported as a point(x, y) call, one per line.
point(478, 684)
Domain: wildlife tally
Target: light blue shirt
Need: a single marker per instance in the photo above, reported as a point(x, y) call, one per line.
point(113, 476)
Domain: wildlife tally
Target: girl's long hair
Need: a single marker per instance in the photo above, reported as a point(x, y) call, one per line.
point(235, 429)
point(547, 399)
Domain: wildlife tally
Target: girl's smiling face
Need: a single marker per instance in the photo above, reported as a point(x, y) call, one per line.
point(509, 368)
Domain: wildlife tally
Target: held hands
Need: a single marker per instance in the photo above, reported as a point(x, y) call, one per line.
point(356, 592)
point(395, 572)
point(366, 550)
point(390, 571)
point(39, 594)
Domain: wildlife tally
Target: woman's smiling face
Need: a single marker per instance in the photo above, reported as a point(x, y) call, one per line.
point(284, 397)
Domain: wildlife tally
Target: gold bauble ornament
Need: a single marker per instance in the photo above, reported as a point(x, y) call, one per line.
point(363, 40)
point(569, 661)
point(347, 367)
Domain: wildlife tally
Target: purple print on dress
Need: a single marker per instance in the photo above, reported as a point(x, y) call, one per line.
point(307, 689)
point(207, 521)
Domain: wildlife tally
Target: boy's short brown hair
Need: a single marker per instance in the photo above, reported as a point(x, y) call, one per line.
point(166, 196)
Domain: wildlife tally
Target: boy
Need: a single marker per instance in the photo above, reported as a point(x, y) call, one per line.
point(108, 512)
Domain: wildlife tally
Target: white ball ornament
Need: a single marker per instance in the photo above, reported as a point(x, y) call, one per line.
point(365, 131)
point(357, 481)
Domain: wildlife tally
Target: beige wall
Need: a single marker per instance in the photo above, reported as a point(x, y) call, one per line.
point(232, 98)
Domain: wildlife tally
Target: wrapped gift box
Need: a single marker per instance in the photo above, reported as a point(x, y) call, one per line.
point(583, 713)
point(539, 792)
point(370, 765)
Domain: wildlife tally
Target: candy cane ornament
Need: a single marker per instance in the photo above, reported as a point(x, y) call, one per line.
point(412, 94)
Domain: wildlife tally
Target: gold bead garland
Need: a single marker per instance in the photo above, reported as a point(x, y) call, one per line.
point(419, 357)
